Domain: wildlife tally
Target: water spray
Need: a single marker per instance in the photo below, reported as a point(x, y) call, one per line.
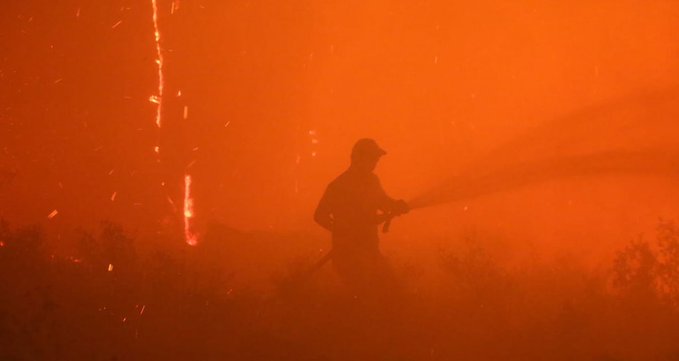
point(571, 147)
point(467, 186)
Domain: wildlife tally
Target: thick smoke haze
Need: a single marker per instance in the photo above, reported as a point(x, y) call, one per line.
point(278, 92)
point(538, 135)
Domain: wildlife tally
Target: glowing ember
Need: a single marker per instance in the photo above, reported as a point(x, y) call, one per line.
point(53, 214)
point(313, 135)
point(110, 267)
point(190, 237)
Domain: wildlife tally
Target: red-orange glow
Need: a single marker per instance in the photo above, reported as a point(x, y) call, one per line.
point(162, 163)
point(189, 236)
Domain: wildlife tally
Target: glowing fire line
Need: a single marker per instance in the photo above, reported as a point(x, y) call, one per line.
point(158, 99)
point(189, 236)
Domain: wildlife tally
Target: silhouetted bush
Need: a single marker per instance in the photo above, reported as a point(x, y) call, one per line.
point(185, 303)
point(650, 270)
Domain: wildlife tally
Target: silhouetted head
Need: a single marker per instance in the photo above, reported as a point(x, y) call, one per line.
point(365, 155)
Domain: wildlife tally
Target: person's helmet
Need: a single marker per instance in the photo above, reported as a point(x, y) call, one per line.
point(366, 148)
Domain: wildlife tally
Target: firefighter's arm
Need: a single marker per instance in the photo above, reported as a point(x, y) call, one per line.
point(391, 207)
point(323, 214)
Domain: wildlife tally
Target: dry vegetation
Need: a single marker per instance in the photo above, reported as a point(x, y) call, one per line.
point(156, 304)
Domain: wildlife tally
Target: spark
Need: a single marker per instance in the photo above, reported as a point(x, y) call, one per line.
point(186, 112)
point(171, 202)
point(2, 244)
point(113, 196)
point(143, 307)
point(313, 135)
point(116, 24)
point(110, 267)
point(189, 235)
point(53, 214)
point(175, 6)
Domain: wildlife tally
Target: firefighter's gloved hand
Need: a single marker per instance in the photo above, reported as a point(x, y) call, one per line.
point(400, 207)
